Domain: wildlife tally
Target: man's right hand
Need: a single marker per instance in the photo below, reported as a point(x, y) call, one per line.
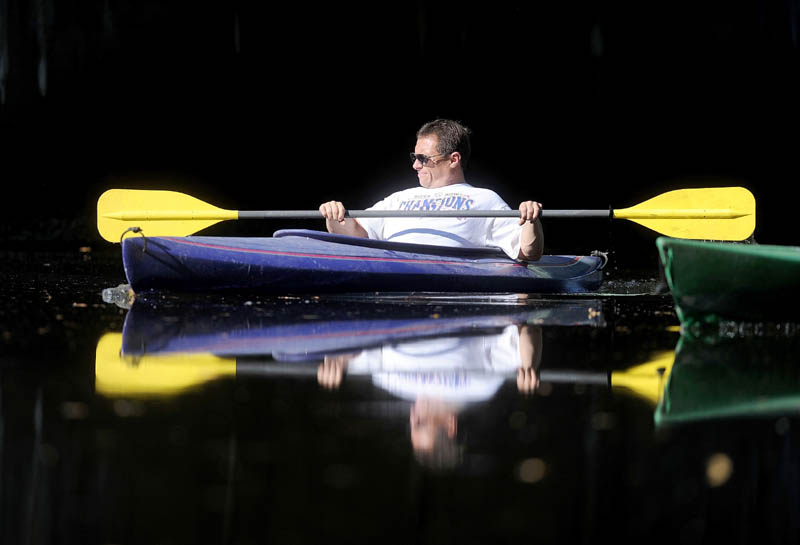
point(333, 211)
point(336, 222)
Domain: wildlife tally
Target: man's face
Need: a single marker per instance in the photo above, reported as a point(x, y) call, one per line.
point(435, 173)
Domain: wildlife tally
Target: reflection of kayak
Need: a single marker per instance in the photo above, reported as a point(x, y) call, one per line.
point(293, 335)
point(731, 378)
point(316, 262)
point(734, 281)
point(163, 351)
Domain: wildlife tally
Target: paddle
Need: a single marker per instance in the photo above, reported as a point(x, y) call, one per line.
point(721, 213)
point(173, 373)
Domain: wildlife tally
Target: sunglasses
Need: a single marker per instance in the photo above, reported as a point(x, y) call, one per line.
point(424, 159)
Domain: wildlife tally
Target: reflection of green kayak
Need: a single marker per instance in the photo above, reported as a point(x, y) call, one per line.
point(731, 378)
point(713, 280)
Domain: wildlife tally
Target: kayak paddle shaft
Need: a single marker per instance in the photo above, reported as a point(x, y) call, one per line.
point(314, 214)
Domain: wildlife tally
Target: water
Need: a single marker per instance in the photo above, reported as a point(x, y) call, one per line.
point(311, 422)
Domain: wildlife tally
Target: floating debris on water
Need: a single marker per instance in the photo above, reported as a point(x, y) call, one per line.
point(122, 296)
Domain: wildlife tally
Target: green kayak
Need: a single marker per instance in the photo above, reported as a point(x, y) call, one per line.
point(710, 281)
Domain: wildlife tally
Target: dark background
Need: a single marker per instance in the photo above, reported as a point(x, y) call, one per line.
point(251, 105)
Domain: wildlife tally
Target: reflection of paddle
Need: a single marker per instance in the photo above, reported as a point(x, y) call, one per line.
point(646, 380)
point(171, 374)
point(723, 213)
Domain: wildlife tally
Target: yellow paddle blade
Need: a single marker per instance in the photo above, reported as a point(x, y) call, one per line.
point(166, 375)
point(717, 213)
point(648, 379)
point(156, 213)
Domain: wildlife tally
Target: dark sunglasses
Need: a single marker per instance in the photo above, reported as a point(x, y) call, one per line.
point(424, 159)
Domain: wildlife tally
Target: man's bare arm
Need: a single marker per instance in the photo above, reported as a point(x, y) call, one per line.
point(531, 239)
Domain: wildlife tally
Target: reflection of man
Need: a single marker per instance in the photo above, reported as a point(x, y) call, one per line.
point(443, 376)
point(530, 352)
point(434, 433)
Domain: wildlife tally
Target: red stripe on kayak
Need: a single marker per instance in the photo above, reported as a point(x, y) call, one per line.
point(327, 256)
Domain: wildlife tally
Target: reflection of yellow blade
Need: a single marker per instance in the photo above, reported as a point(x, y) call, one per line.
point(648, 379)
point(166, 375)
point(718, 213)
point(157, 213)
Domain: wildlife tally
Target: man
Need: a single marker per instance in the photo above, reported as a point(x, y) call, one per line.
point(440, 157)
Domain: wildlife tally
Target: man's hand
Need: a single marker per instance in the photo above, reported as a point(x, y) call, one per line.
point(333, 211)
point(336, 222)
point(529, 211)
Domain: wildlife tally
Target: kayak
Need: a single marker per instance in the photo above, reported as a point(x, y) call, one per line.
point(712, 281)
point(307, 261)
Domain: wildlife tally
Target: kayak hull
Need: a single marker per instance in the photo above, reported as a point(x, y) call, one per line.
point(311, 262)
point(710, 281)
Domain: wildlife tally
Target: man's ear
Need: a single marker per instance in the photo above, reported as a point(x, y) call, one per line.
point(455, 159)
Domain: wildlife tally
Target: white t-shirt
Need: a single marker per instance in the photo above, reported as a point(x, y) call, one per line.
point(498, 232)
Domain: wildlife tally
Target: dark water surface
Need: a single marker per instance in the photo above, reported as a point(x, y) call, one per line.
point(310, 420)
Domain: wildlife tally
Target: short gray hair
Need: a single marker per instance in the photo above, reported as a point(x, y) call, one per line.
point(451, 136)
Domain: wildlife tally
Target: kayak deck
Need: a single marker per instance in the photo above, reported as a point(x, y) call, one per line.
point(314, 262)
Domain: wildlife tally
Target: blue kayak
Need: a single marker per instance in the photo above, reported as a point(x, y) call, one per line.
point(307, 261)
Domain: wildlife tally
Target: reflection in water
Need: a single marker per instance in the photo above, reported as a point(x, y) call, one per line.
point(209, 458)
point(440, 362)
point(646, 380)
point(717, 377)
point(307, 333)
point(168, 350)
point(713, 377)
point(442, 376)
